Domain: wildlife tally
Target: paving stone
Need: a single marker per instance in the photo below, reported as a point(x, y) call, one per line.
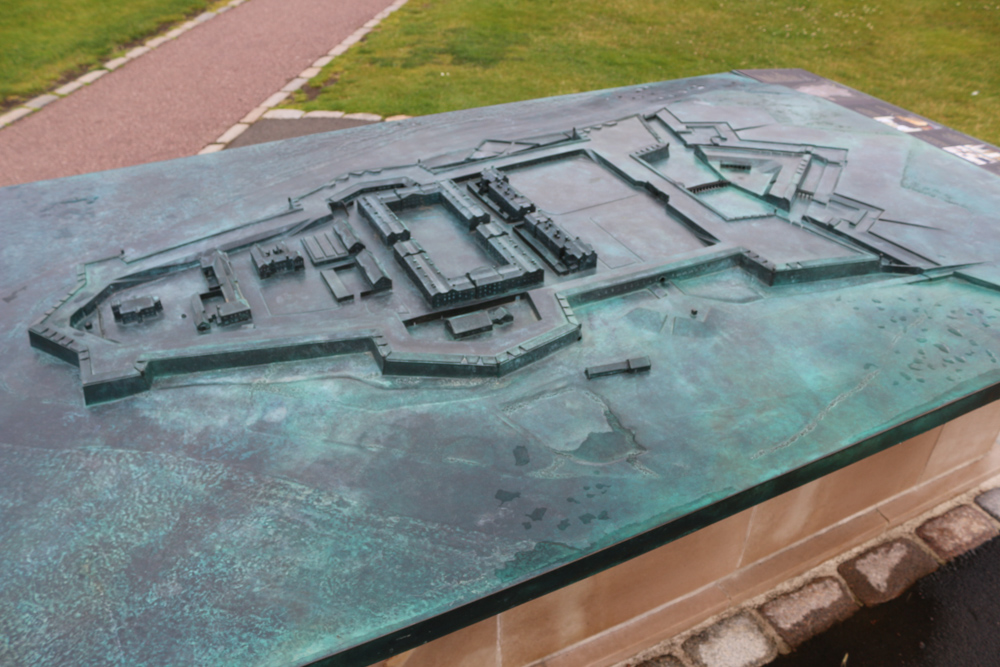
point(374, 117)
point(157, 41)
point(398, 117)
point(809, 610)
point(91, 77)
point(957, 531)
point(201, 18)
point(41, 101)
point(138, 51)
point(254, 115)
point(232, 133)
point(14, 114)
point(309, 73)
point(340, 49)
point(284, 114)
point(116, 63)
point(294, 85)
point(884, 572)
point(275, 100)
point(68, 88)
point(661, 661)
point(990, 501)
point(738, 641)
point(211, 148)
point(176, 32)
point(323, 62)
point(324, 114)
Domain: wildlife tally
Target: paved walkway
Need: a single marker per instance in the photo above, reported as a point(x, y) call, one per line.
point(949, 619)
point(923, 594)
point(176, 99)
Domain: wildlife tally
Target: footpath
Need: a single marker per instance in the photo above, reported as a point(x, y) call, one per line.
point(182, 95)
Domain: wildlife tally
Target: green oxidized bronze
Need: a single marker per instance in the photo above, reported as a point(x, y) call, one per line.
point(345, 393)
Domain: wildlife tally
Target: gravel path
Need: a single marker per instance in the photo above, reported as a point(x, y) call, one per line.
point(176, 99)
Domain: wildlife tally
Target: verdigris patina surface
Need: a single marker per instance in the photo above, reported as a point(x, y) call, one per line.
point(341, 394)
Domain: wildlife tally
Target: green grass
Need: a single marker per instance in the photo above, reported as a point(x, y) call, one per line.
point(928, 56)
point(45, 42)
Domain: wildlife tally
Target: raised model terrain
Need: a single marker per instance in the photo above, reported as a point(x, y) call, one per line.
point(470, 262)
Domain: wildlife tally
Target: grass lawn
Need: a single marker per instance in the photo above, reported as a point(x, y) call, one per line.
point(939, 58)
point(44, 42)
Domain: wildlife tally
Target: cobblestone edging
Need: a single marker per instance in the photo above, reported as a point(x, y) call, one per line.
point(756, 631)
point(266, 108)
point(38, 103)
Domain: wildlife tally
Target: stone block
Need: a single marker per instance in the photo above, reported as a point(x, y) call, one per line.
point(627, 639)
point(990, 501)
point(884, 572)
point(41, 101)
point(211, 148)
point(930, 494)
point(472, 646)
point(275, 100)
point(254, 115)
point(324, 114)
point(809, 610)
point(812, 508)
point(957, 531)
point(738, 641)
point(610, 601)
point(964, 439)
point(138, 51)
point(294, 85)
point(14, 114)
point(115, 64)
point(284, 114)
point(233, 132)
point(91, 77)
point(764, 575)
point(70, 87)
point(364, 116)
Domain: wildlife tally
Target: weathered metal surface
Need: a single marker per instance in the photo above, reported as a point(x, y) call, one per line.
point(337, 388)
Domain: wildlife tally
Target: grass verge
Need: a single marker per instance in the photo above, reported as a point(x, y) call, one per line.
point(939, 58)
point(46, 42)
